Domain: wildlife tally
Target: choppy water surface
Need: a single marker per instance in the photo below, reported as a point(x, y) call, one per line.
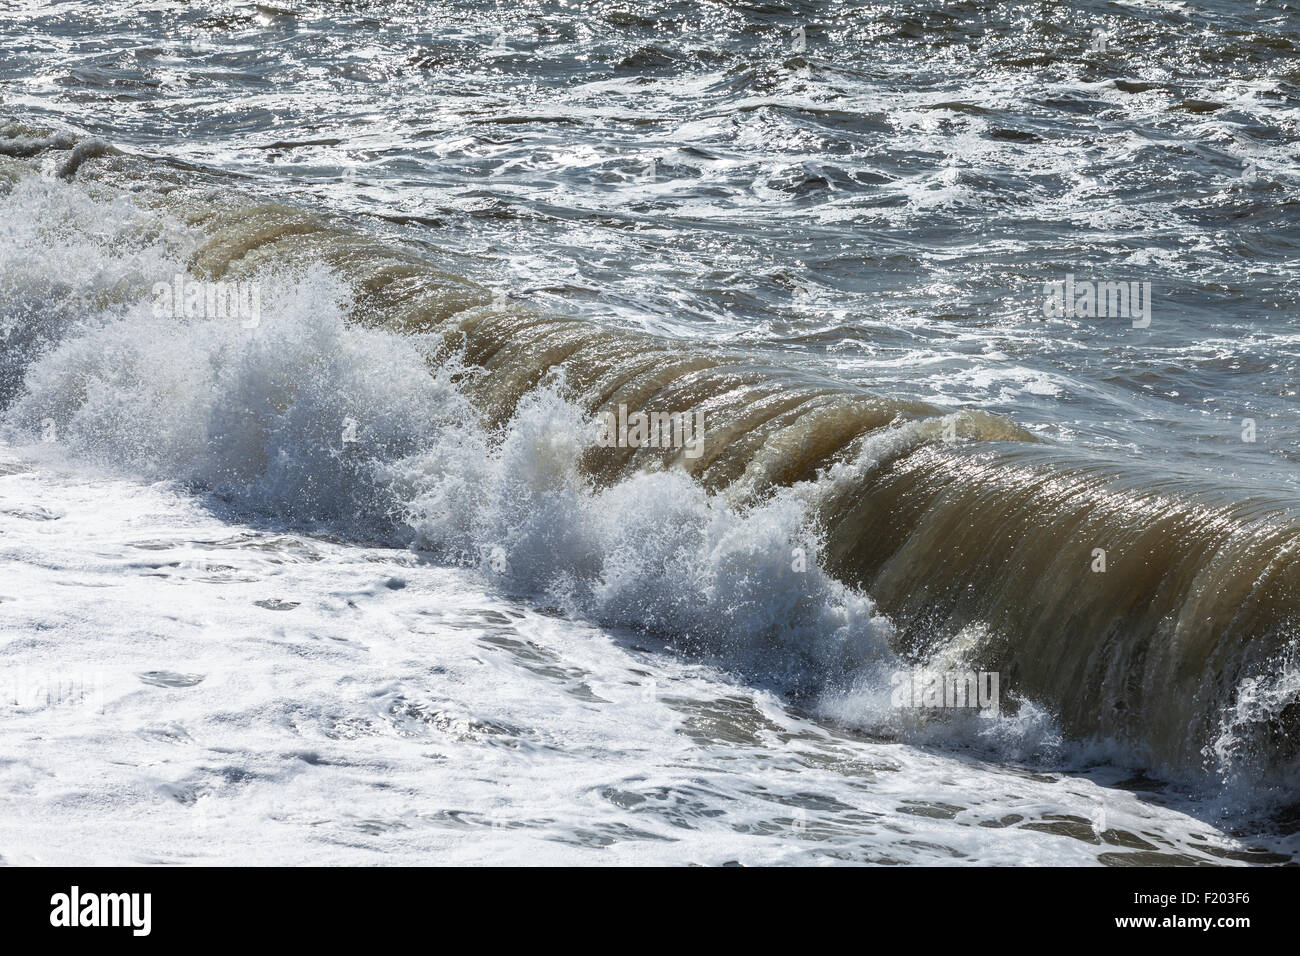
point(887, 201)
point(859, 196)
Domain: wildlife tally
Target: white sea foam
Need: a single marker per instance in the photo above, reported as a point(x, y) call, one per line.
point(265, 697)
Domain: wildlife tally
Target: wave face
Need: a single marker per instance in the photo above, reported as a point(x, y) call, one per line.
point(380, 393)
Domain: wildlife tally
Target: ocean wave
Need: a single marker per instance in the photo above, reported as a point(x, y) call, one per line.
point(1123, 601)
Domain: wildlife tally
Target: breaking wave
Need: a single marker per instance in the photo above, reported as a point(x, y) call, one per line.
point(387, 398)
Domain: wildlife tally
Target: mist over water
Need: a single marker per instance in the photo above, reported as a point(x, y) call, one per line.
point(833, 232)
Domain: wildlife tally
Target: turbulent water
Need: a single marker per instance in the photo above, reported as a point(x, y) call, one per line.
point(348, 572)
